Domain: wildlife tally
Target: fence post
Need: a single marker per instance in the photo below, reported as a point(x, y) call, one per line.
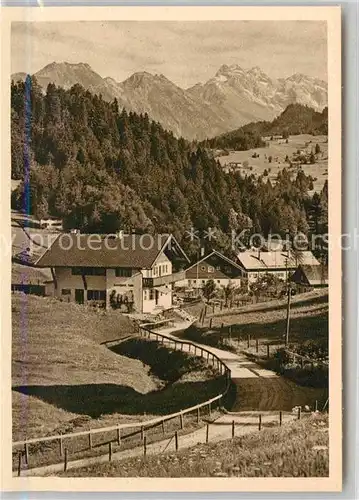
point(110, 451)
point(207, 433)
point(280, 418)
point(222, 325)
point(181, 420)
point(61, 450)
point(90, 439)
point(26, 450)
point(118, 436)
point(207, 356)
point(260, 423)
point(230, 331)
point(210, 322)
point(198, 415)
point(19, 464)
point(221, 305)
point(65, 460)
point(163, 427)
point(267, 351)
point(232, 429)
point(248, 341)
point(176, 440)
point(316, 405)
point(299, 412)
point(213, 309)
point(144, 446)
point(142, 433)
point(257, 345)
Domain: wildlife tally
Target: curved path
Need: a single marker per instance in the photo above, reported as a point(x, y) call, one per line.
point(259, 389)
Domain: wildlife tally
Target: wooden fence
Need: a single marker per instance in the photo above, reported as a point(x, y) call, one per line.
point(23, 447)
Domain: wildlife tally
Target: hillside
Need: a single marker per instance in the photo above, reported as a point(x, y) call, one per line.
point(101, 169)
point(295, 119)
point(47, 338)
point(233, 97)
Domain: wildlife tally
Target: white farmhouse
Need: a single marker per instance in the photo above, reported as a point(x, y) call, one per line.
point(257, 263)
point(126, 270)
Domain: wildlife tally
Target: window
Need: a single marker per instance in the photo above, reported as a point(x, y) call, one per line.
point(123, 272)
point(152, 293)
point(203, 268)
point(194, 281)
point(96, 294)
point(144, 294)
point(210, 269)
point(218, 281)
point(88, 271)
point(66, 291)
point(203, 282)
point(155, 271)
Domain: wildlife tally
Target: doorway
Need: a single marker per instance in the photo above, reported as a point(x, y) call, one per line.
point(79, 295)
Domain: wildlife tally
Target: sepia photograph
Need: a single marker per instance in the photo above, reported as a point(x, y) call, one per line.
point(172, 181)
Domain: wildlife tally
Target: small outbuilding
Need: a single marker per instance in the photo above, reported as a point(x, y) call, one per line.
point(311, 276)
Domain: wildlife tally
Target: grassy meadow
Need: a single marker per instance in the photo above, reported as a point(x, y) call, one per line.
point(279, 149)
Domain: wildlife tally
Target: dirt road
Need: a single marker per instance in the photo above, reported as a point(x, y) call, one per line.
point(259, 389)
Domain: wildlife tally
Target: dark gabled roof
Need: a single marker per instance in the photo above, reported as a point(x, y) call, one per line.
point(90, 250)
point(221, 256)
point(316, 275)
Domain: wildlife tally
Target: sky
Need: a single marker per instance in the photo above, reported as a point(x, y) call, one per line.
point(185, 52)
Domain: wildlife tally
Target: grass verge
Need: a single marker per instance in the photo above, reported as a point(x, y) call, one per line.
point(298, 449)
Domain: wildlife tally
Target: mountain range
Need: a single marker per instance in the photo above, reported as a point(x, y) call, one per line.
point(233, 97)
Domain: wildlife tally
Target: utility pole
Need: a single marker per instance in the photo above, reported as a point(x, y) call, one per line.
point(288, 314)
point(289, 294)
point(197, 284)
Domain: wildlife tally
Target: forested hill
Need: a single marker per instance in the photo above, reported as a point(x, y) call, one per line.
point(295, 119)
point(102, 169)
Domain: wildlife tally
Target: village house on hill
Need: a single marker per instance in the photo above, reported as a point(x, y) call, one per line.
point(256, 263)
point(130, 270)
point(214, 266)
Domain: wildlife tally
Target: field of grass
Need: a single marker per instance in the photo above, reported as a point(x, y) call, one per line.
point(55, 350)
point(298, 449)
point(267, 321)
point(279, 149)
